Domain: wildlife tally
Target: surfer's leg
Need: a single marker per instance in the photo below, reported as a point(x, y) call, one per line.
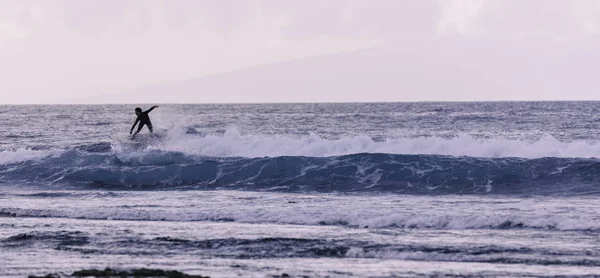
point(138, 130)
point(149, 127)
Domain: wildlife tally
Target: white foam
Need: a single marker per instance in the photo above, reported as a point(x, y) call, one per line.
point(234, 144)
point(20, 155)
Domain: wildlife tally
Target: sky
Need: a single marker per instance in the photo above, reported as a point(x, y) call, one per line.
point(108, 51)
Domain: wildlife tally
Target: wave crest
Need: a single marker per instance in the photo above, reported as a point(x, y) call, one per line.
point(234, 144)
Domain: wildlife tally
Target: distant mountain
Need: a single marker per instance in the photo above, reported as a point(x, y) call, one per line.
point(443, 69)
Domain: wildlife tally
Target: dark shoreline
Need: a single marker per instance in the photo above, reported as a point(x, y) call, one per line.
point(108, 272)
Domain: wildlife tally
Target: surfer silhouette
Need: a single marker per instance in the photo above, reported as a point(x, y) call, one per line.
point(143, 119)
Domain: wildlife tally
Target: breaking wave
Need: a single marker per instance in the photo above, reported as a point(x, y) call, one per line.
point(309, 165)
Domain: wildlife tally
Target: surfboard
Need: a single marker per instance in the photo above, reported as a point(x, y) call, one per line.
point(140, 140)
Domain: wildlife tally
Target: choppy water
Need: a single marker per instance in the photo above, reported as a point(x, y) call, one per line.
point(319, 190)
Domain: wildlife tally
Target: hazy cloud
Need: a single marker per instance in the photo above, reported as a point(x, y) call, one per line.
point(10, 31)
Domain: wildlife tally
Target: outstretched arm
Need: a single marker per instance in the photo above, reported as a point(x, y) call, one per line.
point(132, 127)
point(151, 108)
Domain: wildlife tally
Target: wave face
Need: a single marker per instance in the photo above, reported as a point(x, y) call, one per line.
point(363, 172)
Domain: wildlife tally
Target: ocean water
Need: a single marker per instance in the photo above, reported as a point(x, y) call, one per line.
point(499, 189)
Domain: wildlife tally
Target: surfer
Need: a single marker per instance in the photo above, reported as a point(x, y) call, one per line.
point(143, 119)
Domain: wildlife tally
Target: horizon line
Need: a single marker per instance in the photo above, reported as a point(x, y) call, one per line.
point(297, 102)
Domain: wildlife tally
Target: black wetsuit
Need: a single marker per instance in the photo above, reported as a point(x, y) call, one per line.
point(143, 119)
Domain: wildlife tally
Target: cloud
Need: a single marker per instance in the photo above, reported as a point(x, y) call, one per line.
point(553, 19)
point(461, 17)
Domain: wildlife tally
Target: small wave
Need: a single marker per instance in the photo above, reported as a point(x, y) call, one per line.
point(342, 216)
point(100, 124)
point(63, 237)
